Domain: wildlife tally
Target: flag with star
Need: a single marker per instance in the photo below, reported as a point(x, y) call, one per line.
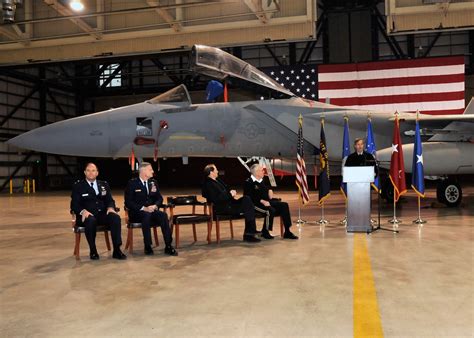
point(302, 80)
point(346, 151)
point(417, 178)
point(397, 165)
point(372, 149)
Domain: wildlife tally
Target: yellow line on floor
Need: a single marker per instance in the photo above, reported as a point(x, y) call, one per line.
point(367, 321)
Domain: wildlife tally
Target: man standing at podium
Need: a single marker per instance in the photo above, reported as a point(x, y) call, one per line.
point(360, 158)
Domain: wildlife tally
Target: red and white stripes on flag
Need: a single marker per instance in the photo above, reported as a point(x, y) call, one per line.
point(301, 179)
point(430, 85)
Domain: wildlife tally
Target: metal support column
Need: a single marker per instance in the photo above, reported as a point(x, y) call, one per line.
point(43, 168)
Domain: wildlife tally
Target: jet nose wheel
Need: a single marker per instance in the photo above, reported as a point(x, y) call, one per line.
point(449, 192)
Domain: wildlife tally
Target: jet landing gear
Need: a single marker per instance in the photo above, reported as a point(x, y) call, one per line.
point(449, 192)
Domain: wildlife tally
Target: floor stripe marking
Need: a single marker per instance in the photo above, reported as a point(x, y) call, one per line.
point(367, 321)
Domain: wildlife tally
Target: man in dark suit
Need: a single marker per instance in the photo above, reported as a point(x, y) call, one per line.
point(143, 199)
point(93, 204)
point(226, 202)
point(360, 157)
point(262, 198)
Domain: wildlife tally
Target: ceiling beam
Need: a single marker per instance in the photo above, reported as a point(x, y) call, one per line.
point(8, 33)
point(100, 19)
point(257, 7)
point(63, 10)
point(15, 33)
point(165, 15)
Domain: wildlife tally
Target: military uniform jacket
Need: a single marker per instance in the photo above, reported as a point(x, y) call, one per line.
point(84, 197)
point(256, 191)
point(136, 195)
point(366, 159)
point(218, 193)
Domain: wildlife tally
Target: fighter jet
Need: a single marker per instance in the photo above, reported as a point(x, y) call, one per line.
point(170, 125)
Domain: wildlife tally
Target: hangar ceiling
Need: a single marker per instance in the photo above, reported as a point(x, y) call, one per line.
point(416, 16)
point(51, 30)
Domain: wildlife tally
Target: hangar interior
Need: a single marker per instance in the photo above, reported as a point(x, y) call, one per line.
point(57, 63)
point(47, 77)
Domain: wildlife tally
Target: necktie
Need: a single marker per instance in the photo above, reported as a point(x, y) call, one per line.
point(92, 186)
point(146, 186)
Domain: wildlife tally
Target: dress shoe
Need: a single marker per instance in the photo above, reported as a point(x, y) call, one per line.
point(119, 255)
point(169, 250)
point(148, 250)
point(251, 239)
point(94, 256)
point(267, 235)
point(289, 235)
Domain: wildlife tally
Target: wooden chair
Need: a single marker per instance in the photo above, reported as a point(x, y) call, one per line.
point(78, 230)
point(131, 226)
point(259, 213)
point(192, 218)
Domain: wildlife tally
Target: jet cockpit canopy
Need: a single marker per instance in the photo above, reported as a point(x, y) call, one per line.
point(178, 94)
point(216, 63)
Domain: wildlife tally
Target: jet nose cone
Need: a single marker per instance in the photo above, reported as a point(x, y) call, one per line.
point(76, 137)
point(24, 141)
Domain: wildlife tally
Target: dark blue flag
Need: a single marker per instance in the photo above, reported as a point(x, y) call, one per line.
point(324, 183)
point(417, 178)
point(346, 151)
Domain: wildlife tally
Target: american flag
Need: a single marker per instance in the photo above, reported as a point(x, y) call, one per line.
point(301, 180)
point(302, 80)
point(430, 85)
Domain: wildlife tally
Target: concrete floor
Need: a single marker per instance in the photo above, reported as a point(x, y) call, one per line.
point(422, 278)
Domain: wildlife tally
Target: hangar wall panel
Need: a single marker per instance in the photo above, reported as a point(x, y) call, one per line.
point(27, 116)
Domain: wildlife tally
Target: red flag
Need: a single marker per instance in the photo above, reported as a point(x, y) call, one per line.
point(397, 167)
point(131, 160)
point(226, 94)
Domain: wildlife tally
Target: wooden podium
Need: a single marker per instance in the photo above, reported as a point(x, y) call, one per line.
point(358, 181)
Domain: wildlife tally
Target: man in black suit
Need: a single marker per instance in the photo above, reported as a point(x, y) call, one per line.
point(93, 204)
point(262, 198)
point(143, 199)
point(226, 202)
point(360, 157)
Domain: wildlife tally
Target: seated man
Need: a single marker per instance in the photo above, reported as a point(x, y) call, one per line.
point(93, 204)
point(142, 199)
point(226, 202)
point(262, 198)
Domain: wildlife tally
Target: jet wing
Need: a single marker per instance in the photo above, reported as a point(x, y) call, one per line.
point(459, 128)
point(218, 64)
point(467, 116)
point(426, 117)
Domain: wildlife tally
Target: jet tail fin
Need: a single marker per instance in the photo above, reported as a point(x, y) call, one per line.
point(469, 108)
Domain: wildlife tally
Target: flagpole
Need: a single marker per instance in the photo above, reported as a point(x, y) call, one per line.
point(322, 221)
point(419, 220)
point(394, 220)
point(344, 220)
point(300, 221)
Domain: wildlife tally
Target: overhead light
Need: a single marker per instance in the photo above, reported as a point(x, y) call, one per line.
point(76, 5)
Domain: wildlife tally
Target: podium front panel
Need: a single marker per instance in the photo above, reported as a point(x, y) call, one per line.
point(358, 207)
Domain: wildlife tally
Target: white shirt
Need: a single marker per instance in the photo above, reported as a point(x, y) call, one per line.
point(255, 179)
point(94, 185)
